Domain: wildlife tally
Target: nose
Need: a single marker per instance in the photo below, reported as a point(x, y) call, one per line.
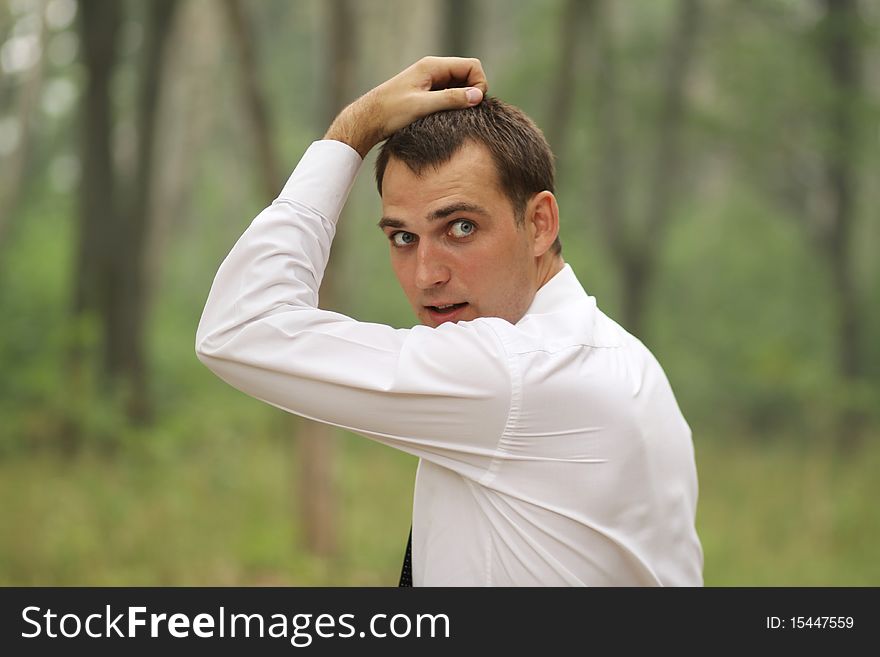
point(431, 271)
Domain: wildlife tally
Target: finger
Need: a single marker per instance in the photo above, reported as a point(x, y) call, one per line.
point(455, 71)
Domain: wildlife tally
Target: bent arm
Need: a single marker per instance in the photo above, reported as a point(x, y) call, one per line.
point(441, 394)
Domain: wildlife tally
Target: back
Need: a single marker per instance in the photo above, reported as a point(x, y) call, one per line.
point(593, 480)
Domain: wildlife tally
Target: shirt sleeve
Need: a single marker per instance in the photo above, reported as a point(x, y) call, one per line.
point(443, 394)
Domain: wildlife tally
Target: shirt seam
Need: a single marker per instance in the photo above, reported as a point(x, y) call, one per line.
point(569, 346)
point(513, 411)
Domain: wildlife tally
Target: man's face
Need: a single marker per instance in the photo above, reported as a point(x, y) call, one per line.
point(455, 245)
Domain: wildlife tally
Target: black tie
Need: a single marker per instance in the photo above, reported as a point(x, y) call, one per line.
point(406, 571)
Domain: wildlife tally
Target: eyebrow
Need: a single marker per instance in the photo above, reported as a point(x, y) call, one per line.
point(439, 213)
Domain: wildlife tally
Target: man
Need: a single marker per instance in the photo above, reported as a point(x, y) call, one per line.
point(552, 451)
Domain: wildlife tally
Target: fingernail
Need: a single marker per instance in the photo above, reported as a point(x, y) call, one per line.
point(473, 95)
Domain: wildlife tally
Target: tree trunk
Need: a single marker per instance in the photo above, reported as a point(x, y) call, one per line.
point(94, 285)
point(840, 49)
point(256, 106)
point(129, 345)
point(843, 60)
point(667, 170)
point(636, 251)
point(458, 20)
point(109, 279)
point(318, 442)
point(575, 33)
point(667, 161)
point(187, 115)
point(99, 23)
point(635, 270)
point(613, 166)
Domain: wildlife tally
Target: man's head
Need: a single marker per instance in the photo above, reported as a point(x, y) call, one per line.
point(468, 206)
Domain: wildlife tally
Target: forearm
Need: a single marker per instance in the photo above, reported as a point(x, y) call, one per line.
point(356, 125)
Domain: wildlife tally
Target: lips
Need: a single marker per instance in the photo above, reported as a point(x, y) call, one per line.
point(446, 307)
point(446, 312)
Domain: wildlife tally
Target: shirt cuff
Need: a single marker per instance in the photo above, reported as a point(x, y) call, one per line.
point(324, 177)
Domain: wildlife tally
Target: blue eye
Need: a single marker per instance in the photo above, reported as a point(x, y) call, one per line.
point(402, 238)
point(462, 228)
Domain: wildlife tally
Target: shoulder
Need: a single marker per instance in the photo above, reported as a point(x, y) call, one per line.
point(579, 325)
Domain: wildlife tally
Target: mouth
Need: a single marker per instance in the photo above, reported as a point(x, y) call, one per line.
point(448, 312)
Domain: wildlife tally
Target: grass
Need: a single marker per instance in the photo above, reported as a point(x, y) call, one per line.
point(219, 514)
point(222, 512)
point(789, 515)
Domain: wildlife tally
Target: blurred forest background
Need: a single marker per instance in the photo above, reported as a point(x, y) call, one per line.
point(717, 182)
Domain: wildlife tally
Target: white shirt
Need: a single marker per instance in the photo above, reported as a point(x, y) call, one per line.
point(552, 452)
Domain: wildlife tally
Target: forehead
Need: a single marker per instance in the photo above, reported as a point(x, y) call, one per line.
point(470, 174)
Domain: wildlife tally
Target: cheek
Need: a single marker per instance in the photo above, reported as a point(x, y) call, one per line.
point(511, 278)
point(401, 269)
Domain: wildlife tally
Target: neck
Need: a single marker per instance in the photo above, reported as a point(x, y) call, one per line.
point(549, 265)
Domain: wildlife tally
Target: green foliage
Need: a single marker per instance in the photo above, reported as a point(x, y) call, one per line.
point(741, 316)
point(32, 305)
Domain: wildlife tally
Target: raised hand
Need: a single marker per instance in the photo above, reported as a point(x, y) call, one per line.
point(430, 85)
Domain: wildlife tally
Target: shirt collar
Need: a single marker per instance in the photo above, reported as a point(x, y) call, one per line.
point(557, 293)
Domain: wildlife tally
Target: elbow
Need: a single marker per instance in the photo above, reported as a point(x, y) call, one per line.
point(213, 343)
point(207, 345)
point(211, 353)
point(203, 351)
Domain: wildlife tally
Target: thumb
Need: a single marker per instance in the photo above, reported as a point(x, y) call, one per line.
point(473, 96)
point(430, 102)
point(458, 97)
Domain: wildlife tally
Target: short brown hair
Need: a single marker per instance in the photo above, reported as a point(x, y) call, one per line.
point(522, 157)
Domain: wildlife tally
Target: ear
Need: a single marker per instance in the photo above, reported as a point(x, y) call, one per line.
point(542, 221)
